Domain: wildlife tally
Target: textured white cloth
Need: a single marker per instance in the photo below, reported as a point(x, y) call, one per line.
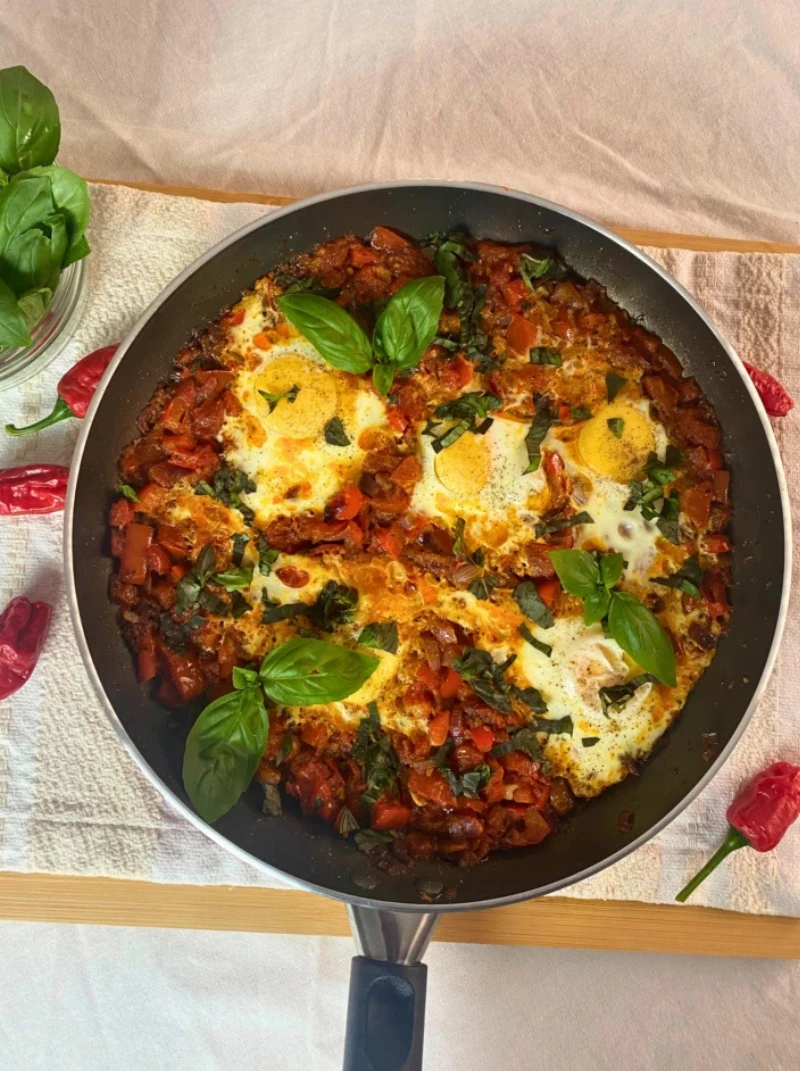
point(675, 114)
point(72, 801)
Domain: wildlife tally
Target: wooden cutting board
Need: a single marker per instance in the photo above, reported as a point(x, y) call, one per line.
point(556, 922)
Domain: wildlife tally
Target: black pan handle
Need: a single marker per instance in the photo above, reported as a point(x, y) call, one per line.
point(385, 1016)
point(386, 1013)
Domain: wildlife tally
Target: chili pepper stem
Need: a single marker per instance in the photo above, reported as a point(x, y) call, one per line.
point(61, 411)
point(732, 843)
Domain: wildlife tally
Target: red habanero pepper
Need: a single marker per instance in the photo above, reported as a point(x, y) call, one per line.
point(23, 630)
point(33, 489)
point(75, 391)
point(777, 400)
point(759, 817)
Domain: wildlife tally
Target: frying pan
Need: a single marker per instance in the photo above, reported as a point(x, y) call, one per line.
point(391, 921)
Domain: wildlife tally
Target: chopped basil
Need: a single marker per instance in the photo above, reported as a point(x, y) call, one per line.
point(531, 268)
point(483, 586)
point(372, 748)
point(688, 578)
point(235, 579)
point(267, 555)
point(239, 604)
point(335, 605)
point(647, 493)
point(614, 385)
point(614, 697)
point(526, 741)
point(590, 741)
point(668, 522)
point(544, 355)
point(285, 749)
point(189, 587)
point(468, 784)
point(459, 551)
point(203, 488)
point(537, 432)
point(532, 698)
point(467, 410)
point(559, 523)
point(176, 635)
point(577, 412)
point(616, 425)
point(213, 603)
point(335, 433)
point(367, 840)
point(485, 676)
point(274, 611)
point(380, 634)
point(272, 399)
point(554, 726)
point(240, 541)
point(129, 493)
point(530, 603)
point(529, 637)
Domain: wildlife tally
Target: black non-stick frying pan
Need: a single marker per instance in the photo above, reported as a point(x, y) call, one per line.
point(391, 922)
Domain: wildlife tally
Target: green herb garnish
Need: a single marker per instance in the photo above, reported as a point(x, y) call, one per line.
point(272, 399)
point(335, 434)
point(688, 578)
point(616, 425)
point(529, 637)
point(381, 635)
point(614, 385)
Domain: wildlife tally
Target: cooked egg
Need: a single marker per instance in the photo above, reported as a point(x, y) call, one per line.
point(617, 441)
point(314, 403)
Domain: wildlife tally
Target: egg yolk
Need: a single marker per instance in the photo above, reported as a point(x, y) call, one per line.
point(463, 468)
point(616, 442)
point(312, 408)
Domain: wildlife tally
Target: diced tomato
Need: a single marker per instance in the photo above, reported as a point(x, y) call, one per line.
point(315, 733)
point(548, 590)
point(428, 676)
point(233, 319)
point(427, 590)
point(450, 683)
point(389, 814)
point(350, 502)
point(175, 414)
point(261, 341)
point(438, 728)
point(291, 577)
point(714, 458)
point(515, 292)
point(717, 544)
point(170, 537)
point(482, 738)
point(183, 671)
point(150, 497)
point(387, 241)
point(696, 504)
point(360, 255)
point(133, 564)
point(431, 786)
point(178, 572)
point(387, 540)
point(521, 334)
point(407, 473)
point(158, 560)
point(396, 419)
point(146, 664)
point(121, 513)
point(353, 534)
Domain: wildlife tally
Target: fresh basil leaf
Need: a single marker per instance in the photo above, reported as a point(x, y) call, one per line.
point(614, 697)
point(640, 635)
point(373, 749)
point(485, 677)
point(272, 399)
point(203, 488)
point(577, 412)
point(335, 433)
point(544, 355)
point(529, 637)
point(688, 578)
point(267, 555)
point(537, 433)
point(590, 741)
point(236, 578)
point(596, 605)
point(239, 604)
point(208, 600)
point(177, 635)
point(285, 750)
point(616, 425)
point(668, 522)
point(188, 588)
point(472, 407)
point(224, 748)
point(334, 333)
point(614, 385)
point(554, 726)
point(13, 328)
point(408, 324)
point(468, 784)
point(577, 570)
point(70, 196)
point(306, 672)
point(383, 378)
point(611, 567)
point(32, 260)
point(530, 603)
point(531, 268)
point(291, 284)
point(381, 635)
point(451, 436)
point(240, 541)
point(129, 493)
point(532, 698)
point(30, 130)
point(483, 586)
point(459, 550)
point(33, 304)
point(559, 523)
point(335, 605)
point(367, 840)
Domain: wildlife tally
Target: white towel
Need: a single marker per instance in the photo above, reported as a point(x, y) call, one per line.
point(73, 802)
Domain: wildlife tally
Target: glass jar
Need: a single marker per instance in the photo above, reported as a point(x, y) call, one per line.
point(53, 331)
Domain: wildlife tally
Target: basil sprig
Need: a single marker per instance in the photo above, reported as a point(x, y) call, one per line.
point(227, 742)
point(404, 329)
point(593, 578)
point(649, 494)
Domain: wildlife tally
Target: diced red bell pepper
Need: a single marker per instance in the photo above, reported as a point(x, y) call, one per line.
point(158, 560)
point(389, 814)
point(428, 676)
point(450, 683)
point(133, 563)
point(716, 543)
point(387, 540)
point(521, 334)
point(407, 473)
point(396, 419)
point(515, 292)
point(360, 255)
point(387, 241)
point(548, 590)
point(482, 738)
point(349, 502)
point(431, 787)
point(438, 728)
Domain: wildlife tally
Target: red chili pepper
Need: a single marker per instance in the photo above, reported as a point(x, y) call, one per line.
point(777, 400)
point(759, 817)
point(23, 629)
point(33, 489)
point(75, 391)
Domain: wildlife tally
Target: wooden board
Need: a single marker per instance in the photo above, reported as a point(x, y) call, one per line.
point(556, 922)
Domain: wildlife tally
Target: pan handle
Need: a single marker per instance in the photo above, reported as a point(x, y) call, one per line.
point(386, 1010)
